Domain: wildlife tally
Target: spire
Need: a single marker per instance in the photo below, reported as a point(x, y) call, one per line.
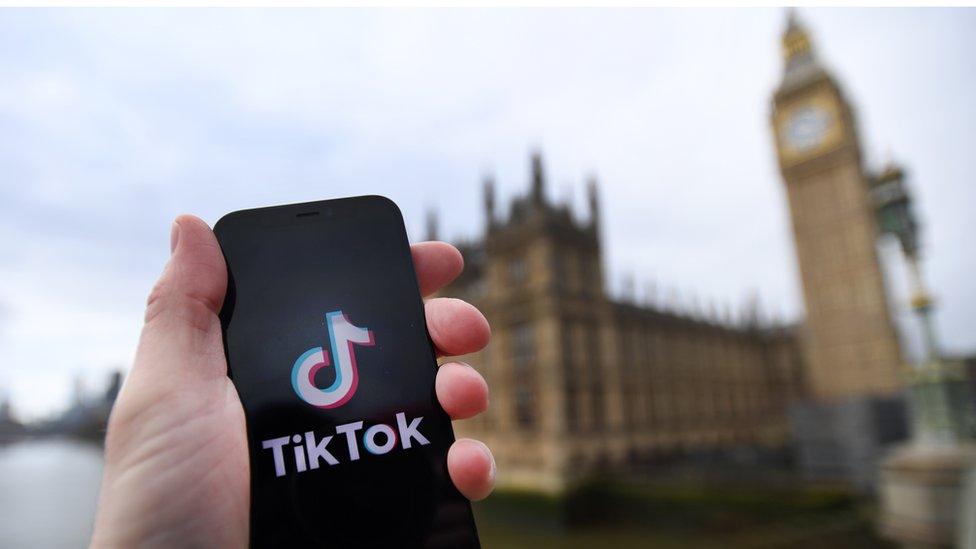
point(650, 293)
point(628, 290)
point(752, 310)
point(799, 58)
point(489, 198)
point(796, 40)
point(432, 224)
point(594, 200)
point(538, 178)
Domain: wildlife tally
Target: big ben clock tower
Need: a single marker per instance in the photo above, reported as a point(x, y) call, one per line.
point(850, 345)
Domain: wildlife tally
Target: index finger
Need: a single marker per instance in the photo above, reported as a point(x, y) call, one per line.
point(436, 265)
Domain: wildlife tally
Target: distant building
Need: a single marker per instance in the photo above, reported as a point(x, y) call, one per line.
point(10, 428)
point(850, 344)
point(583, 383)
point(87, 417)
point(853, 365)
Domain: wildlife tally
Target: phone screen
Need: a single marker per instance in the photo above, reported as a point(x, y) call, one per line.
point(327, 345)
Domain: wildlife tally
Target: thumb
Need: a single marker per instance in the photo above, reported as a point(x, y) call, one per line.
point(181, 339)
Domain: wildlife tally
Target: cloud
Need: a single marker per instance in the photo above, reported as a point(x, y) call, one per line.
point(112, 122)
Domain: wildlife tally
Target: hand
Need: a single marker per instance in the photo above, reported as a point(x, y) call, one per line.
point(176, 459)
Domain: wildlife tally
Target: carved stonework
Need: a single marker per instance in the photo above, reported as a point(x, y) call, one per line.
point(582, 383)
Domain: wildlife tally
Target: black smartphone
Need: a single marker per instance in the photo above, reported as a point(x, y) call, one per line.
point(327, 344)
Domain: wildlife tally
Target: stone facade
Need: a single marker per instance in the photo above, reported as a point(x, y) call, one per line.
point(849, 343)
point(582, 383)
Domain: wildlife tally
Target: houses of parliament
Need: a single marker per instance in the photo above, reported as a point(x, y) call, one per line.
point(585, 383)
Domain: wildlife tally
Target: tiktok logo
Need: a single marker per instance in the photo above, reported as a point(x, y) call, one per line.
point(311, 449)
point(342, 336)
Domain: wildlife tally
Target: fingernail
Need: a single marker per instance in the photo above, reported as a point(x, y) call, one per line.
point(494, 468)
point(174, 237)
point(491, 458)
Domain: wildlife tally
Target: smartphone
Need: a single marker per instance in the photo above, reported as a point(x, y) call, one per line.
point(327, 345)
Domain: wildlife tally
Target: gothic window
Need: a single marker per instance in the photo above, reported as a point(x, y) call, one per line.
point(477, 289)
point(522, 343)
point(572, 369)
point(572, 408)
point(588, 276)
point(598, 405)
point(560, 270)
point(522, 350)
point(524, 407)
point(596, 383)
point(572, 272)
point(517, 271)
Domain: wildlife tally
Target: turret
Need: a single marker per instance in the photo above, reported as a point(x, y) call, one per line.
point(800, 62)
point(432, 232)
point(594, 201)
point(538, 179)
point(489, 199)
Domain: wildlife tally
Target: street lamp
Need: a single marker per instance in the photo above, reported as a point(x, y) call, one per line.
point(934, 468)
point(938, 388)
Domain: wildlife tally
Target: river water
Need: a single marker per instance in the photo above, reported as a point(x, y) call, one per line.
point(49, 490)
point(48, 493)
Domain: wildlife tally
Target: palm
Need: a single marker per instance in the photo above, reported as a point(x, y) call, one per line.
point(179, 443)
point(177, 469)
point(203, 464)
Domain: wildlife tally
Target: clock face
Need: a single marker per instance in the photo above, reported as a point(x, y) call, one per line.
point(806, 128)
point(809, 127)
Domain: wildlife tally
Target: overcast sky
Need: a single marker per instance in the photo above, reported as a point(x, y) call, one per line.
point(113, 122)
